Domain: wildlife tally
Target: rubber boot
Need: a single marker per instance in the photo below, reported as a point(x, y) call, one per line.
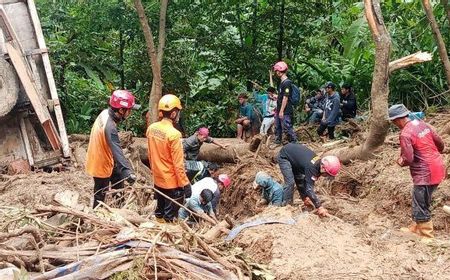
point(411, 229)
point(426, 229)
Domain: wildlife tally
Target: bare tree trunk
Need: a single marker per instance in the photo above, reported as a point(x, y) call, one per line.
point(162, 31)
point(281, 30)
point(155, 93)
point(438, 38)
point(379, 93)
point(446, 8)
point(380, 86)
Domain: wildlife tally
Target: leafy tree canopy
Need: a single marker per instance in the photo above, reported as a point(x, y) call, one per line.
point(214, 48)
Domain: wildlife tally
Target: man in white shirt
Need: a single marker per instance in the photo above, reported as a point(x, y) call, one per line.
point(215, 185)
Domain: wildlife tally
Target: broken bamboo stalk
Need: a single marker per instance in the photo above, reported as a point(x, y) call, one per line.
point(77, 213)
point(210, 252)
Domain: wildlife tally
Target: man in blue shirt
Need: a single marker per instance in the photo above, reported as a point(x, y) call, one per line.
point(244, 121)
point(201, 205)
point(331, 112)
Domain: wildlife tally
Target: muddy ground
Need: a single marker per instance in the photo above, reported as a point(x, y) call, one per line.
point(370, 200)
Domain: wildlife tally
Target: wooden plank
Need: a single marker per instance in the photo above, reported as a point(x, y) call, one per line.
point(26, 141)
point(50, 78)
point(32, 93)
point(21, 69)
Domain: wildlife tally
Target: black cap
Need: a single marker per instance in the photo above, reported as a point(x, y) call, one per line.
point(330, 85)
point(206, 195)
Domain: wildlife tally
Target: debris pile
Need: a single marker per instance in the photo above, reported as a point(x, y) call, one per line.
point(70, 241)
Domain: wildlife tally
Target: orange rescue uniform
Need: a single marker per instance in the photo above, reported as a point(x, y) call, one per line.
point(165, 153)
point(99, 158)
point(104, 152)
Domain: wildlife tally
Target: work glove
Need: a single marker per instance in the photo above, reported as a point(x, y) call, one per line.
point(131, 179)
point(187, 191)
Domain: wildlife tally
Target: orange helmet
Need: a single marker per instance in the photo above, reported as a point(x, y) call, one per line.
point(169, 102)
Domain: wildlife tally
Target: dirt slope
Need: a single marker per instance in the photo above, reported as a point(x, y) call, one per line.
point(330, 249)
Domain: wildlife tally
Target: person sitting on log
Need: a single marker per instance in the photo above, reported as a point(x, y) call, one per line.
point(314, 107)
point(271, 190)
point(244, 121)
point(215, 184)
point(348, 102)
point(201, 205)
point(192, 144)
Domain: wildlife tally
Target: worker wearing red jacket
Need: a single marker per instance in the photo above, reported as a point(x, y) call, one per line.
point(421, 149)
point(165, 153)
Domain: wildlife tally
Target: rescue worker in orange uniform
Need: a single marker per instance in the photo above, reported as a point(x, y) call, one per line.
point(165, 153)
point(105, 159)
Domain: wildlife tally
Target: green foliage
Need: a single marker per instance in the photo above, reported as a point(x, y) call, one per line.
point(214, 48)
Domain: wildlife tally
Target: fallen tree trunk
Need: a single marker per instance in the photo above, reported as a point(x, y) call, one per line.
point(235, 150)
point(230, 154)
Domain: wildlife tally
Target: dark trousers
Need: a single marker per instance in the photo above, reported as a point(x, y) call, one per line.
point(101, 186)
point(291, 181)
point(165, 208)
point(284, 125)
point(421, 202)
point(324, 127)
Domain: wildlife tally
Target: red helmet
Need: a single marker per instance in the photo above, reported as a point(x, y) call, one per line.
point(225, 180)
point(331, 164)
point(204, 131)
point(123, 99)
point(280, 66)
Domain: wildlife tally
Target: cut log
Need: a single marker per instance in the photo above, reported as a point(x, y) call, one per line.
point(216, 230)
point(230, 154)
point(235, 150)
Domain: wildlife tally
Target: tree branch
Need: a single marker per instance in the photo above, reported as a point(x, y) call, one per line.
point(409, 60)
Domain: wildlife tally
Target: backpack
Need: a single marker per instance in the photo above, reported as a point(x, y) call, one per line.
point(296, 95)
